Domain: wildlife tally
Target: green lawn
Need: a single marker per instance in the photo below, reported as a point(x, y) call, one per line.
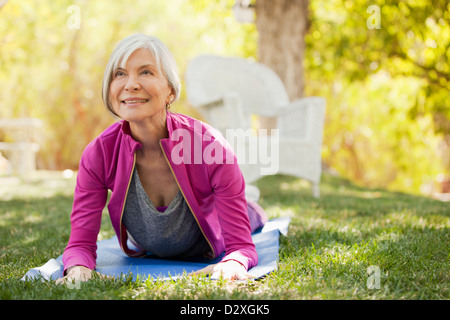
point(401, 239)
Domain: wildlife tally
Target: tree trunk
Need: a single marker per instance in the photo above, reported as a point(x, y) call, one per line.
point(282, 25)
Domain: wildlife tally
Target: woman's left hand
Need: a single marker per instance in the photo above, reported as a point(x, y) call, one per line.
point(229, 270)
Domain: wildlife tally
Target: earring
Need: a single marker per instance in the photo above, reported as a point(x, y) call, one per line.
point(168, 104)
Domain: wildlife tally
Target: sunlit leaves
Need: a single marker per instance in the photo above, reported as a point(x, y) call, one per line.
point(387, 89)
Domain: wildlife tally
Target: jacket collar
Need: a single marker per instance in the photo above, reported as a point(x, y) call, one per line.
point(126, 131)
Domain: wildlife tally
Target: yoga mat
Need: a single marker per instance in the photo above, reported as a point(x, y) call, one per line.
point(113, 262)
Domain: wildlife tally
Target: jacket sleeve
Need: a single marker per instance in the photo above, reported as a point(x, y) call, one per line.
point(231, 206)
point(89, 200)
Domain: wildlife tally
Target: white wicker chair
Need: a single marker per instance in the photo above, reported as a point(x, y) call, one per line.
point(228, 92)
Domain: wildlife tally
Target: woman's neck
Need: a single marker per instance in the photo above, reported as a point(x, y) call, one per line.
point(149, 132)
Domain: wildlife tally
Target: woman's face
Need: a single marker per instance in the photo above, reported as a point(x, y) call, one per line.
point(140, 90)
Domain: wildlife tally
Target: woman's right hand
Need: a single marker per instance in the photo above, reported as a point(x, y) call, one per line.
point(76, 274)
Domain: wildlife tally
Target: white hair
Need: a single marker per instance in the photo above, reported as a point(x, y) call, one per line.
point(164, 60)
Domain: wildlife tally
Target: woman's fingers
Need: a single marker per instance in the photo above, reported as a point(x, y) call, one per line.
point(80, 274)
point(205, 271)
point(231, 275)
point(230, 270)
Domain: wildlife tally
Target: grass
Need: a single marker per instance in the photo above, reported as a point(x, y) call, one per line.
point(332, 244)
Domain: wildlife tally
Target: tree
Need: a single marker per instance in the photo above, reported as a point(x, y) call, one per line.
point(282, 25)
point(384, 68)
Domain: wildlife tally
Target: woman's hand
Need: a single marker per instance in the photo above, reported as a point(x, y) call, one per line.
point(229, 270)
point(77, 274)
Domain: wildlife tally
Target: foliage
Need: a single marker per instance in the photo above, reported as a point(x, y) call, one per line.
point(388, 116)
point(331, 244)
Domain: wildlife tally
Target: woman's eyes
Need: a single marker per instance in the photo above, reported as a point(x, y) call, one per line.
point(147, 72)
point(121, 73)
point(118, 74)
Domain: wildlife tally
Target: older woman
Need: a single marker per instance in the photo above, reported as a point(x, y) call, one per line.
point(169, 204)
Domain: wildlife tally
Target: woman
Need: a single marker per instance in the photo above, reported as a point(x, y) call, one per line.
point(164, 200)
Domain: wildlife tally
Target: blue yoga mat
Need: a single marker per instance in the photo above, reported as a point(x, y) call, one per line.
point(113, 262)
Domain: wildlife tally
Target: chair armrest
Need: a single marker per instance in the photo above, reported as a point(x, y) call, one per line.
point(217, 103)
point(317, 104)
point(303, 118)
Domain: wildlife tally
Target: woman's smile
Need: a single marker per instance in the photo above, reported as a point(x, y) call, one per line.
point(132, 102)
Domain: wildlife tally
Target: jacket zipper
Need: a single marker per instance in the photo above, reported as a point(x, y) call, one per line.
point(125, 199)
point(179, 187)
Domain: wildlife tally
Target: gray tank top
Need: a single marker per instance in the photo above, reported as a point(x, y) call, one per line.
point(171, 233)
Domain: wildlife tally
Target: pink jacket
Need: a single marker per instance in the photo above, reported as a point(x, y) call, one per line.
point(214, 192)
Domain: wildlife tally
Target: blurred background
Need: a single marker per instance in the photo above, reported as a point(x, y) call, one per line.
point(383, 67)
